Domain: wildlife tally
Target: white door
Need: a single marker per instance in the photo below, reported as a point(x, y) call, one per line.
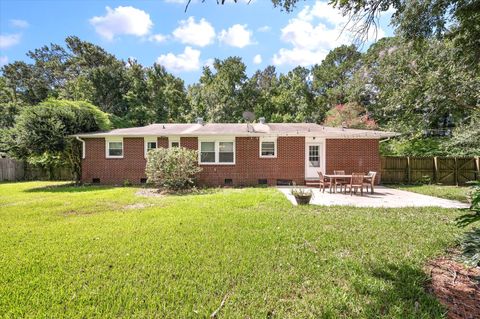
point(313, 160)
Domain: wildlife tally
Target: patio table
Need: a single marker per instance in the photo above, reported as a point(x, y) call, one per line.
point(333, 178)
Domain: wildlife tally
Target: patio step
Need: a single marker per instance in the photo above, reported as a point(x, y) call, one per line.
point(312, 182)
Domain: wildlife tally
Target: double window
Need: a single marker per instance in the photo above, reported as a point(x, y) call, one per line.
point(268, 147)
point(217, 152)
point(114, 148)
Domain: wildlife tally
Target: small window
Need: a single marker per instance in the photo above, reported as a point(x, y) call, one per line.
point(115, 149)
point(95, 180)
point(143, 180)
point(174, 141)
point(228, 181)
point(225, 154)
point(207, 152)
point(175, 144)
point(268, 148)
point(262, 181)
point(151, 146)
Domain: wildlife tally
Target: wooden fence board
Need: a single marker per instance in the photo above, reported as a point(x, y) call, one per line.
point(14, 170)
point(442, 170)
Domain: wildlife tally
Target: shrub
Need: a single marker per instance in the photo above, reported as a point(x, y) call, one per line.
point(470, 244)
point(172, 168)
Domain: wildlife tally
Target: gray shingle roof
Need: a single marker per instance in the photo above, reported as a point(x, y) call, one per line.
point(241, 129)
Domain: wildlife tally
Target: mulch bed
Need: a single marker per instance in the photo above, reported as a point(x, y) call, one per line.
point(456, 287)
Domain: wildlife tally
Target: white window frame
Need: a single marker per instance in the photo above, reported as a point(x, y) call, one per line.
point(217, 141)
point(267, 139)
point(173, 139)
point(114, 140)
point(146, 140)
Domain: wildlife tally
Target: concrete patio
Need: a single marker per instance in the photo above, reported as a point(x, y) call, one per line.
point(383, 197)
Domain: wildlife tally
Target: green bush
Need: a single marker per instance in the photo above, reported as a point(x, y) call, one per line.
point(470, 243)
point(172, 168)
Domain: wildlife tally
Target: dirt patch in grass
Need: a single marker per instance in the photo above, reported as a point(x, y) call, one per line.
point(149, 192)
point(456, 287)
point(137, 206)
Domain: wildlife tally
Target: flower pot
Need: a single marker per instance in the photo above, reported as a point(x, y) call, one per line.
point(303, 200)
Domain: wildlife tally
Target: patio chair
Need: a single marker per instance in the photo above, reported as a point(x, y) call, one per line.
point(324, 182)
point(340, 181)
point(369, 180)
point(356, 182)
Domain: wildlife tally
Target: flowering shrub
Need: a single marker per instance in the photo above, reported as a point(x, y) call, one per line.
point(172, 168)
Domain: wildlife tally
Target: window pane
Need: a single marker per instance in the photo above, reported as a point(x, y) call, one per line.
point(175, 144)
point(268, 148)
point(151, 145)
point(207, 157)
point(313, 155)
point(226, 146)
point(208, 147)
point(116, 145)
point(115, 152)
point(225, 157)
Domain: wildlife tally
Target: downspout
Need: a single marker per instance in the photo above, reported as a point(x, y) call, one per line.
point(78, 178)
point(83, 146)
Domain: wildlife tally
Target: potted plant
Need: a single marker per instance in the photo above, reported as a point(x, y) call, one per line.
point(302, 195)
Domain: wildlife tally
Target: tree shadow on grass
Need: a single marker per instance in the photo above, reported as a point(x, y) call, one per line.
point(405, 295)
point(68, 188)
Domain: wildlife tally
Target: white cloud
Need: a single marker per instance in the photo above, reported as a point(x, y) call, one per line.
point(122, 20)
point(257, 59)
point(209, 62)
point(9, 40)
point(3, 60)
point(236, 36)
point(189, 60)
point(17, 23)
point(193, 33)
point(158, 38)
point(265, 28)
point(313, 33)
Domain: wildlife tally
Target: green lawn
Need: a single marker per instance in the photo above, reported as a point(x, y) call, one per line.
point(449, 192)
point(87, 252)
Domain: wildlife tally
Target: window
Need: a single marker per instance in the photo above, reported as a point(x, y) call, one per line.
point(150, 144)
point(207, 152)
point(268, 147)
point(114, 148)
point(314, 155)
point(217, 152)
point(174, 141)
point(225, 154)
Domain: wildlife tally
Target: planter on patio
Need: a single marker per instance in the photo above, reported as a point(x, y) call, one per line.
point(302, 195)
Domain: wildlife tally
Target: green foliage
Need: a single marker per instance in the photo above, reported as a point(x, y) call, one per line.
point(172, 168)
point(41, 133)
point(465, 140)
point(414, 146)
point(470, 244)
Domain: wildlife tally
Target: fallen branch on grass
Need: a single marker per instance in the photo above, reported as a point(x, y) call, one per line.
point(215, 313)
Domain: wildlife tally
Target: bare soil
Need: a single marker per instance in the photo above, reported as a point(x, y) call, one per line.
point(456, 287)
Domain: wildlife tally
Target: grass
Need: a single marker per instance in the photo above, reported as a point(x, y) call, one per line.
point(459, 193)
point(86, 252)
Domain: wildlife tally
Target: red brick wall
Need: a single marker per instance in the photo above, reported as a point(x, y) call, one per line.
point(249, 167)
point(114, 170)
point(352, 156)
point(356, 155)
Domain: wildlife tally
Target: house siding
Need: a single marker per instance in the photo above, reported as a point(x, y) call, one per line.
point(352, 156)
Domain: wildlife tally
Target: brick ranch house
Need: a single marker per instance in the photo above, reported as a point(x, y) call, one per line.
point(234, 154)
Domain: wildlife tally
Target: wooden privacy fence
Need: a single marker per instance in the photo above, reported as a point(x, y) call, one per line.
point(441, 170)
point(14, 170)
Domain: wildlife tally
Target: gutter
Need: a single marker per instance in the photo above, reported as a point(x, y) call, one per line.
point(83, 146)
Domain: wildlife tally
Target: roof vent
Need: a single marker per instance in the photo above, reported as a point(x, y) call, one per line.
point(261, 120)
point(200, 120)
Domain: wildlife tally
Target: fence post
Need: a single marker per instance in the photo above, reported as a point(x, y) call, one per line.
point(455, 171)
point(435, 168)
point(477, 168)
point(409, 172)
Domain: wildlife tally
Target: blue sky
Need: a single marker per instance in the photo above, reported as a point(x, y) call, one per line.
point(160, 31)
